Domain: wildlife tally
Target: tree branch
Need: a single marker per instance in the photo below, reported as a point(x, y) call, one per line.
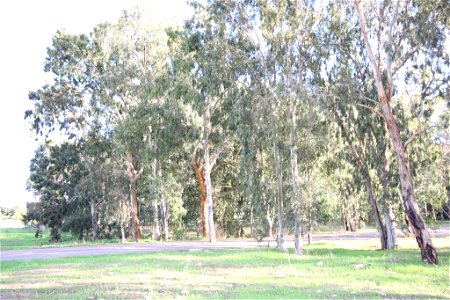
point(373, 110)
point(389, 46)
point(194, 161)
point(416, 134)
point(373, 62)
point(217, 154)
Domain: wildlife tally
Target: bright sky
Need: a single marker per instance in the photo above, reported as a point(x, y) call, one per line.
point(26, 29)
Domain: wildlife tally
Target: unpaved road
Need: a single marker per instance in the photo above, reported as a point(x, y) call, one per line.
point(109, 249)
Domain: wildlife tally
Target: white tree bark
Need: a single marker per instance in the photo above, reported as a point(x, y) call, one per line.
point(208, 166)
point(298, 240)
point(279, 196)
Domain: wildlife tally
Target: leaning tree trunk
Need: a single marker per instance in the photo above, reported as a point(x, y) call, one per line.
point(419, 228)
point(298, 240)
point(376, 212)
point(364, 168)
point(279, 197)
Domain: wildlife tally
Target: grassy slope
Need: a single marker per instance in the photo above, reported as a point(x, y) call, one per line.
point(236, 274)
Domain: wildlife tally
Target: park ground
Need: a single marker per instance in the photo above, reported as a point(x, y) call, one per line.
point(350, 269)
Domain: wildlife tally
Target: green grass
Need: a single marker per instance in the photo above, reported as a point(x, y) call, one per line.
point(23, 238)
point(258, 273)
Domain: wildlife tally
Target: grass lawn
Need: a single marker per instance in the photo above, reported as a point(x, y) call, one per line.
point(325, 271)
point(23, 238)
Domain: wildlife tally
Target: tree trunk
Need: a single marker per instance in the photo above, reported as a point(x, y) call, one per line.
point(390, 231)
point(156, 231)
point(122, 234)
point(93, 219)
point(208, 184)
point(252, 221)
point(417, 224)
point(135, 212)
point(376, 213)
point(433, 211)
point(279, 197)
point(364, 168)
point(384, 178)
point(199, 169)
point(166, 214)
point(133, 175)
point(419, 228)
point(295, 180)
point(298, 238)
point(270, 222)
point(165, 210)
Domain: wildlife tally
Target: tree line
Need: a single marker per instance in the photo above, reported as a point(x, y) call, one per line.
point(254, 117)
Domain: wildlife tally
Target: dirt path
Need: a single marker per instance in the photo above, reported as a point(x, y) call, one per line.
point(109, 249)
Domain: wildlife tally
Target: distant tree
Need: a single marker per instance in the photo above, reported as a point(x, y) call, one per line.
point(54, 173)
point(34, 216)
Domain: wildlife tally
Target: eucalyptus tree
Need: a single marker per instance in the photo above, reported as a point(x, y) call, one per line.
point(208, 78)
point(167, 129)
point(261, 26)
point(101, 78)
point(95, 151)
point(282, 35)
point(299, 68)
point(397, 35)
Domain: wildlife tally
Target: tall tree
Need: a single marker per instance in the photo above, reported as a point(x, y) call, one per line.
point(102, 78)
point(208, 62)
point(398, 41)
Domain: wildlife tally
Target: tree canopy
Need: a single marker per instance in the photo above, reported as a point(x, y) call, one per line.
point(253, 115)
